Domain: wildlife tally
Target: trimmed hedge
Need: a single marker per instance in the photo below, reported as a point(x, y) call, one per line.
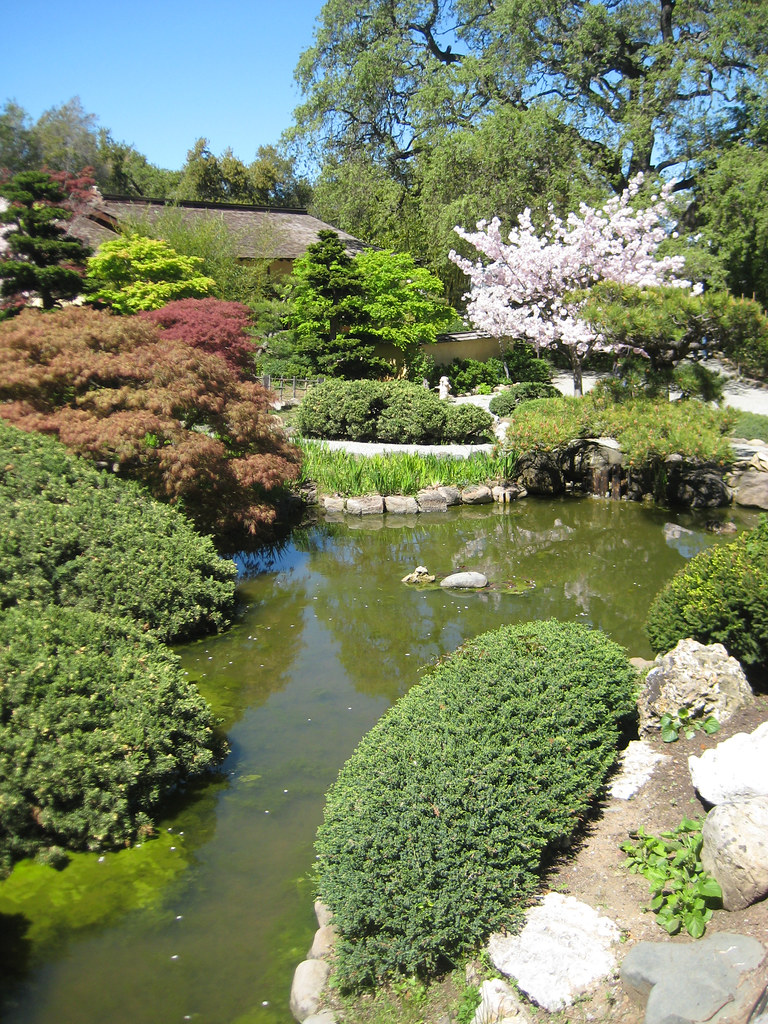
point(73, 535)
point(720, 596)
point(435, 830)
point(97, 725)
point(394, 411)
point(507, 401)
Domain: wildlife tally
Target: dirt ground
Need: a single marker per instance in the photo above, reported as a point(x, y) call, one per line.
point(592, 872)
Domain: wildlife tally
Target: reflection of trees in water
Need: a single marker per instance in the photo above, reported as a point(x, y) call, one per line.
point(254, 658)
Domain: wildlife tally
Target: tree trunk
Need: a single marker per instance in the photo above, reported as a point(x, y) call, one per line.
point(578, 383)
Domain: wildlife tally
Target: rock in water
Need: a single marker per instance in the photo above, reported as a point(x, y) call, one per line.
point(465, 581)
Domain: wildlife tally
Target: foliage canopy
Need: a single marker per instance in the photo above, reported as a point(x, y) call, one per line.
point(175, 417)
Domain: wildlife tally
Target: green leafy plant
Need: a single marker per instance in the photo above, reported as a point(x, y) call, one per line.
point(340, 472)
point(671, 724)
point(683, 895)
point(720, 596)
point(435, 831)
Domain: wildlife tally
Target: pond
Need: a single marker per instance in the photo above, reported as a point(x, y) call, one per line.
point(207, 922)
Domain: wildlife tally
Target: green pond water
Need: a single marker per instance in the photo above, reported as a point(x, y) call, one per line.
point(207, 922)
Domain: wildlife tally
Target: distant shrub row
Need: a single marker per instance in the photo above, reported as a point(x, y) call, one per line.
point(97, 721)
point(391, 411)
point(435, 830)
point(507, 401)
point(720, 596)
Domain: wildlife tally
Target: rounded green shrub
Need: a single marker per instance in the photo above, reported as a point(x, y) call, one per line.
point(507, 401)
point(397, 412)
point(97, 725)
point(434, 832)
point(720, 596)
point(73, 535)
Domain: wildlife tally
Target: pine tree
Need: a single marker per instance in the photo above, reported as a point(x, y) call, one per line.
point(39, 257)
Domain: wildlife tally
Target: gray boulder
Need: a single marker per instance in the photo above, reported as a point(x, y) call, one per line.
point(400, 504)
point(366, 505)
point(504, 494)
point(324, 1017)
point(694, 485)
point(309, 980)
point(699, 677)
point(751, 489)
point(694, 981)
point(476, 494)
point(465, 581)
point(540, 473)
point(323, 943)
point(451, 494)
point(734, 769)
point(735, 850)
point(334, 504)
point(322, 913)
point(564, 948)
point(430, 500)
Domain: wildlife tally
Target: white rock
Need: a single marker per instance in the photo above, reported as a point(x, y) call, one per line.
point(323, 943)
point(499, 1004)
point(733, 770)
point(637, 765)
point(465, 581)
point(563, 949)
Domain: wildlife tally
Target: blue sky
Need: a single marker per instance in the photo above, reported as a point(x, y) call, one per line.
point(160, 75)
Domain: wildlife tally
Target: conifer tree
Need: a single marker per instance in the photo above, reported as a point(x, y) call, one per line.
point(38, 257)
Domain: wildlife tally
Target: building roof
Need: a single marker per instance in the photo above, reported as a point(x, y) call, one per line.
point(260, 232)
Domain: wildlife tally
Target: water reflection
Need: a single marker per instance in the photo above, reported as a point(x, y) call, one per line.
point(327, 638)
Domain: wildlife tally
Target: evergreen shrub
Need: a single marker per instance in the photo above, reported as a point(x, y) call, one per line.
point(74, 535)
point(435, 831)
point(720, 596)
point(97, 726)
point(507, 401)
point(393, 411)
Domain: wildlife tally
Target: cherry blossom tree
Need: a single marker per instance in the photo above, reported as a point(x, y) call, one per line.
point(536, 283)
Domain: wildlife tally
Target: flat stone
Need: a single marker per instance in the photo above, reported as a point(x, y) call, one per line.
point(325, 1017)
point(334, 504)
point(465, 581)
point(734, 769)
point(309, 980)
point(400, 504)
point(563, 949)
point(638, 763)
point(366, 505)
point(735, 850)
point(695, 981)
point(476, 494)
point(505, 494)
point(431, 501)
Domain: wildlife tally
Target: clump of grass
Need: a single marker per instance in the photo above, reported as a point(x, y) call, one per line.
point(340, 472)
point(646, 431)
point(750, 425)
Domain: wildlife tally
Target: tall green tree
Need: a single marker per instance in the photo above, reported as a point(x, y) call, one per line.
point(40, 260)
point(326, 312)
point(270, 180)
point(640, 86)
